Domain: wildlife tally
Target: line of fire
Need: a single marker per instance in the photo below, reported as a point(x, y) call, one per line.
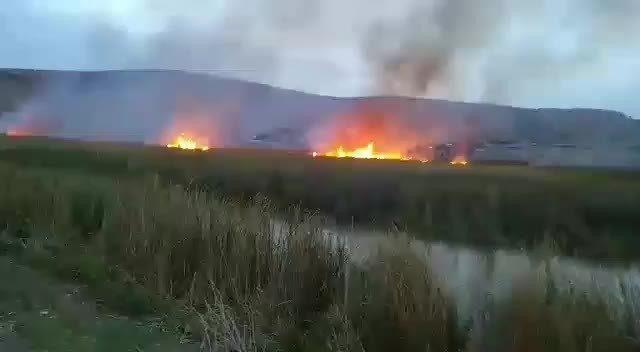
point(359, 136)
point(374, 137)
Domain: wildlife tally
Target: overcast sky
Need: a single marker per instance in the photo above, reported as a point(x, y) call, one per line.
point(535, 53)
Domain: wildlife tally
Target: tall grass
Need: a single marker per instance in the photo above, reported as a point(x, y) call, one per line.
point(590, 214)
point(538, 317)
point(250, 285)
point(398, 304)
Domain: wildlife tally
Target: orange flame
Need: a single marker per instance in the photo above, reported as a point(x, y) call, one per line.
point(369, 132)
point(459, 161)
point(367, 152)
point(185, 142)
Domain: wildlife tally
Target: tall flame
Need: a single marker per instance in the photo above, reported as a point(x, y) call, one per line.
point(185, 142)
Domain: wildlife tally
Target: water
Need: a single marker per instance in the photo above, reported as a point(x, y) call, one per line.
point(476, 279)
point(471, 276)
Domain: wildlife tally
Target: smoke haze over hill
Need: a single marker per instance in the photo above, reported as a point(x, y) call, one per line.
point(139, 105)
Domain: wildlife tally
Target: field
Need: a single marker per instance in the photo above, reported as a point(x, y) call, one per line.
point(183, 245)
point(587, 213)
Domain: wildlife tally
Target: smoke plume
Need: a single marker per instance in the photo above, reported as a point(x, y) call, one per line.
point(416, 55)
point(552, 53)
point(503, 51)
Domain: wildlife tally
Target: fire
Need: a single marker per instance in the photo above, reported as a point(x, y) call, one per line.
point(367, 132)
point(367, 152)
point(459, 161)
point(185, 142)
point(377, 132)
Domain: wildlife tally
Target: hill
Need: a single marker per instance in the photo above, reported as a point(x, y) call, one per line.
point(139, 105)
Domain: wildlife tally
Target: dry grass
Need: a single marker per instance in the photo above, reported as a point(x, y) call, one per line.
point(396, 303)
point(539, 317)
point(258, 287)
point(588, 213)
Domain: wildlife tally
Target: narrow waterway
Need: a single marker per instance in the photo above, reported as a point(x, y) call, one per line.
point(475, 277)
point(480, 278)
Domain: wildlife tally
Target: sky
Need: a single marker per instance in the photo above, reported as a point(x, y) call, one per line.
point(532, 53)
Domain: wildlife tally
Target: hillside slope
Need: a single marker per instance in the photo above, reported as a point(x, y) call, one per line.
point(138, 105)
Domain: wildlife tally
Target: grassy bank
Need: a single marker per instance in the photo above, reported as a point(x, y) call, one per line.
point(41, 313)
point(591, 214)
point(219, 272)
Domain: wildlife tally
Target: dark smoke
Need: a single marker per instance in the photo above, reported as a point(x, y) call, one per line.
point(504, 51)
point(415, 55)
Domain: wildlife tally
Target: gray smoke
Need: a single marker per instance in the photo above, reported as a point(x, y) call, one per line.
point(506, 51)
point(417, 54)
point(79, 106)
point(561, 53)
point(142, 106)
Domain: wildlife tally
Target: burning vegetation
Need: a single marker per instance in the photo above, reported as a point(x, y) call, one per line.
point(372, 134)
point(367, 152)
point(368, 134)
point(192, 130)
point(459, 160)
point(29, 125)
point(370, 152)
point(185, 142)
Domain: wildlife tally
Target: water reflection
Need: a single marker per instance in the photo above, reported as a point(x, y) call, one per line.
point(477, 278)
